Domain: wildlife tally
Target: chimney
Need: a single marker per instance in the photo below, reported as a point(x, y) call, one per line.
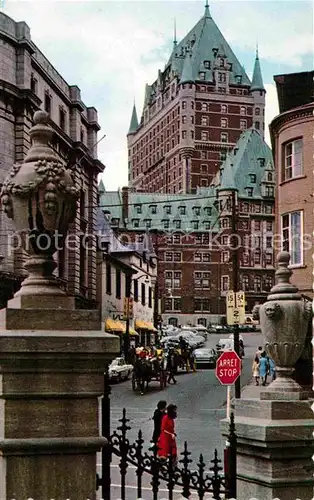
point(125, 204)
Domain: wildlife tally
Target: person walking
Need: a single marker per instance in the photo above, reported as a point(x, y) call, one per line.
point(167, 445)
point(272, 369)
point(255, 370)
point(157, 418)
point(170, 367)
point(259, 352)
point(263, 368)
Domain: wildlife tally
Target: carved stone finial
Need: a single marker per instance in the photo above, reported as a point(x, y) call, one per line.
point(40, 135)
point(283, 288)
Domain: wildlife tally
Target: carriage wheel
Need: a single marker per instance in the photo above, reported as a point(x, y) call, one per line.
point(134, 382)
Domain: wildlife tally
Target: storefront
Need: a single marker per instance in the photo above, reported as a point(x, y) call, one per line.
point(147, 332)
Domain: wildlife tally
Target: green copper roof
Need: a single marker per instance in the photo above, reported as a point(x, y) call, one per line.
point(168, 212)
point(257, 80)
point(207, 44)
point(187, 73)
point(134, 121)
point(245, 166)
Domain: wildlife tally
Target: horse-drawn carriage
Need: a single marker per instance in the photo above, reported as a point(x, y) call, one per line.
point(148, 370)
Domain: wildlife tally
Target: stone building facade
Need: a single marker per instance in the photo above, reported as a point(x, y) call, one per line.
point(292, 140)
point(29, 82)
point(191, 234)
point(193, 114)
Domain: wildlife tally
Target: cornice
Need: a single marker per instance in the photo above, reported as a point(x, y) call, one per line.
point(292, 115)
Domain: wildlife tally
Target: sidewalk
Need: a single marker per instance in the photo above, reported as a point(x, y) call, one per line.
point(252, 391)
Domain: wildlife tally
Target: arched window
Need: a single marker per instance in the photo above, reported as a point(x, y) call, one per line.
point(257, 111)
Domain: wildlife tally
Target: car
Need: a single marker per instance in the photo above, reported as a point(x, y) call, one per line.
point(205, 358)
point(240, 337)
point(119, 370)
point(227, 345)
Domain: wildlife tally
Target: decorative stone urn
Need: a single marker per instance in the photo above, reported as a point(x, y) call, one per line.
point(284, 321)
point(40, 196)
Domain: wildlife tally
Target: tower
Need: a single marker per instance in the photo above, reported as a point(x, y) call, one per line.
point(258, 93)
point(132, 130)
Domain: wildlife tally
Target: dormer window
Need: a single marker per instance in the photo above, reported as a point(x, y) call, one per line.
point(206, 225)
point(138, 209)
point(230, 66)
point(153, 209)
point(207, 64)
point(194, 224)
point(166, 224)
point(239, 79)
point(270, 177)
point(215, 51)
point(221, 62)
point(253, 178)
point(208, 210)
point(167, 209)
point(136, 222)
point(261, 162)
point(177, 223)
point(182, 211)
point(202, 75)
point(221, 77)
point(197, 210)
point(249, 192)
point(115, 221)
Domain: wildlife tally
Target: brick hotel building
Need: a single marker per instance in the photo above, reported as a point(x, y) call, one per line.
point(193, 113)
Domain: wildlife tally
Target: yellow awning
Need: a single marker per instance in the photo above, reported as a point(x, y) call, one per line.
point(143, 325)
point(131, 330)
point(140, 325)
point(112, 325)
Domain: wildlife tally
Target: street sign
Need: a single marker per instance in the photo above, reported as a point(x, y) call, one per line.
point(228, 368)
point(235, 308)
point(128, 307)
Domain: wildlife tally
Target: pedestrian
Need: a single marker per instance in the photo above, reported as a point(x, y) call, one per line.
point(263, 368)
point(167, 445)
point(259, 352)
point(255, 370)
point(272, 369)
point(170, 367)
point(157, 418)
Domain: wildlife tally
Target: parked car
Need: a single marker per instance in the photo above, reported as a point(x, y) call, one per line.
point(205, 358)
point(227, 345)
point(240, 338)
point(119, 370)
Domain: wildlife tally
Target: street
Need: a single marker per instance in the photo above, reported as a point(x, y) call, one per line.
point(201, 402)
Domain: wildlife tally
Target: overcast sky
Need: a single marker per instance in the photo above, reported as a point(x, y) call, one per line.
point(110, 49)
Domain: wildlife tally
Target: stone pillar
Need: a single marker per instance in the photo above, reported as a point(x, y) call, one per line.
point(275, 432)
point(52, 357)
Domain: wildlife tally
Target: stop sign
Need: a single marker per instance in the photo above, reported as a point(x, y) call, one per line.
point(228, 367)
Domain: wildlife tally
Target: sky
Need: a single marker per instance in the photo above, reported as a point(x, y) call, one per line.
point(110, 49)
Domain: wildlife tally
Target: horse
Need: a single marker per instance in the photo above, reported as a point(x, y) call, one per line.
point(145, 370)
point(182, 359)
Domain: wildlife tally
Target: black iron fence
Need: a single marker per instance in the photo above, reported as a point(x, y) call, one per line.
point(217, 478)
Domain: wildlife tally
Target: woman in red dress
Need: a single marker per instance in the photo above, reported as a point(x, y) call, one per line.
point(167, 445)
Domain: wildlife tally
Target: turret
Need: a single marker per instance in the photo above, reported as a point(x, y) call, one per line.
point(258, 93)
point(134, 121)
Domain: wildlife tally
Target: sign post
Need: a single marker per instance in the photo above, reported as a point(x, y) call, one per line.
point(228, 370)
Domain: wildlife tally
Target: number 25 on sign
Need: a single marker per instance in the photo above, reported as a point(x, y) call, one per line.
point(235, 308)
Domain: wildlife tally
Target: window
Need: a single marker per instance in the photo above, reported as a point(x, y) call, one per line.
point(270, 177)
point(208, 210)
point(245, 207)
point(177, 256)
point(176, 239)
point(167, 209)
point(206, 257)
point(269, 191)
point(177, 279)
point(194, 224)
point(269, 226)
point(150, 297)
point(268, 283)
point(184, 119)
point(224, 283)
point(257, 111)
point(148, 223)
point(177, 304)
point(222, 155)
point(221, 77)
point(243, 124)
point(244, 224)
point(224, 108)
point(173, 279)
point(204, 120)
point(183, 134)
point(108, 279)
point(62, 118)
point(201, 239)
point(34, 84)
point(257, 257)
point(269, 241)
point(257, 125)
point(201, 304)
point(245, 282)
point(249, 192)
point(135, 290)
point(268, 209)
point(245, 259)
point(143, 291)
point(221, 63)
point(252, 178)
point(197, 210)
point(168, 256)
point(202, 76)
point(138, 209)
point(257, 225)
point(153, 209)
point(204, 135)
point(261, 162)
point(118, 284)
point(136, 222)
point(243, 110)
point(292, 234)
point(224, 137)
point(207, 64)
point(225, 223)
point(201, 279)
point(257, 284)
point(204, 106)
point(293, 159)
point(47, 103)
point(177, 224)
point(183, 104)
point(269, 259)
point(197, 257)
point(224, 122)
point(225, 257)
point(182, 210)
